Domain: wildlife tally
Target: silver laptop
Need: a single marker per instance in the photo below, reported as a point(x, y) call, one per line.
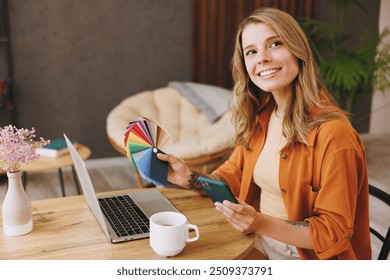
point(121, 217)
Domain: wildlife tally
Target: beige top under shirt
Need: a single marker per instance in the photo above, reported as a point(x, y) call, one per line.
point(266, 173)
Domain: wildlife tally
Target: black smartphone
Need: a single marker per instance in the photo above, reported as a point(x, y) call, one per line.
point(217, 190)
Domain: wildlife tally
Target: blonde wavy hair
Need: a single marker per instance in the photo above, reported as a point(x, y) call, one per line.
point(309, 94)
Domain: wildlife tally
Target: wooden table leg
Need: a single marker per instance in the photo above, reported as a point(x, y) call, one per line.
point(76, 181)
point(62, 182)
point(24, 180)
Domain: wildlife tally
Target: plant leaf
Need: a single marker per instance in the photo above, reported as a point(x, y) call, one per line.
point(344, 73)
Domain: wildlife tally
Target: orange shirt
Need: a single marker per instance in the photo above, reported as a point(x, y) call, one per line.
point(324, 183)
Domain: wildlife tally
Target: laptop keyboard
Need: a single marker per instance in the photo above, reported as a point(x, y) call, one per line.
point(124, 216)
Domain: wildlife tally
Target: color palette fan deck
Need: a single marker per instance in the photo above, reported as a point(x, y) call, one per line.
point(144, 138)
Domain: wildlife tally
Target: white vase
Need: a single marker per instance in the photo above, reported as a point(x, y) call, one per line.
point(16, 210)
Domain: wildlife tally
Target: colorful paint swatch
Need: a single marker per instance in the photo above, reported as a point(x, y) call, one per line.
point(143, 139)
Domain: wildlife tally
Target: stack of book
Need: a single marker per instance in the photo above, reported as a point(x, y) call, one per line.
point(56, 148)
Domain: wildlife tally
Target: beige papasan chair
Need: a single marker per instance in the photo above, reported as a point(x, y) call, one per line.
point(200, 138)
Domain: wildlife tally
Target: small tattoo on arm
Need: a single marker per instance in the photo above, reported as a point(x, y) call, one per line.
point(298, 223)
point(193, 182)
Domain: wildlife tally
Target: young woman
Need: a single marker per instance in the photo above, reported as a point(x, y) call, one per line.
point(299, 168)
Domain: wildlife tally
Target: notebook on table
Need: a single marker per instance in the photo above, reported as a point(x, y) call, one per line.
point(122, 217)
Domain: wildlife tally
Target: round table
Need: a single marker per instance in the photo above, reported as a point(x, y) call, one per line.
point(47, 163)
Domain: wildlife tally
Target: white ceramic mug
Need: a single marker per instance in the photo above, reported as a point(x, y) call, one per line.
point(169, 233)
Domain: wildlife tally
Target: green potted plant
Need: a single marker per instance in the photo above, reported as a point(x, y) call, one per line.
point(349, 69)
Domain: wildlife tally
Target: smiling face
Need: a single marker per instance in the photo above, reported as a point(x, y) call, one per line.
point(270, 65)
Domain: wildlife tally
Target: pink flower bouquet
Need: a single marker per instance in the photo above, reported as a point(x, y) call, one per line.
point(17, 146)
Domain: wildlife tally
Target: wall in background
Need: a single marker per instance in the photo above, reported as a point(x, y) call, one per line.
point(5, 117)
point(75, 60)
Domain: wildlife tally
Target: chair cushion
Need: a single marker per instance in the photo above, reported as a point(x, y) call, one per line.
point(192, 134)
point(213, 101)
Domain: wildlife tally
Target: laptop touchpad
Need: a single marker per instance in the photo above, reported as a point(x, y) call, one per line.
point(152, 202)
point(154, 206)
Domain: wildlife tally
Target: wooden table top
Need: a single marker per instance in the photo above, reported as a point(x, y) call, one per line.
point(65, 228)
point(47, 163)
